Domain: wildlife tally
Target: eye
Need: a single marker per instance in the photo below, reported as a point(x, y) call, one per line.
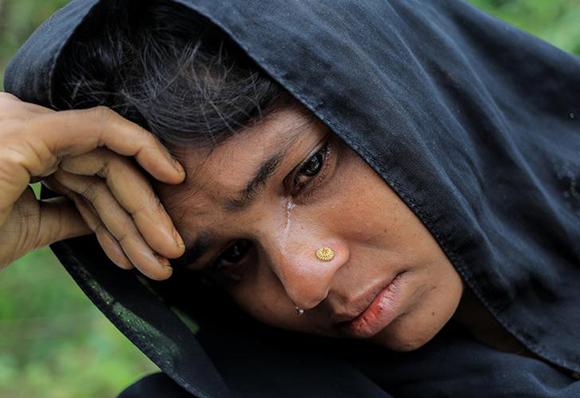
point(312, 170)
point(232, 256)
point(313, 165)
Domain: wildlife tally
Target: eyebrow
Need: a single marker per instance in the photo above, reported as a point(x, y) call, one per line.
point(239, 202)
point(246, 196)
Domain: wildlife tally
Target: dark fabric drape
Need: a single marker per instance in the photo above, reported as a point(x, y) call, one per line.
point(473, 123)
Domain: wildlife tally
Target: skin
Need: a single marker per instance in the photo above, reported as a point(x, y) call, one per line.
point(345, 206)
point(86, 155)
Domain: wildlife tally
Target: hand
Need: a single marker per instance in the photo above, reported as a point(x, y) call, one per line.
point(85, 155)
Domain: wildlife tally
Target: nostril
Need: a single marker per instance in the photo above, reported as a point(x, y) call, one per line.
point(309, 300)
point(306, 266)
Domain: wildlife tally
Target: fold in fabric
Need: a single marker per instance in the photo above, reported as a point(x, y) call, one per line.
point(473, 123)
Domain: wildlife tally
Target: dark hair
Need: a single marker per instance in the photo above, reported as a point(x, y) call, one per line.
point(166, 68)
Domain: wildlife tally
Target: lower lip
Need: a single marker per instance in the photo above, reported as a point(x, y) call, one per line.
point(378, 315)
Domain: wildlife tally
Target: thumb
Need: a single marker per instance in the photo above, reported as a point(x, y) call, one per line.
point(59, 220)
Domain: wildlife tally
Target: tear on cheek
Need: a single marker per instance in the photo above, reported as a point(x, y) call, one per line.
point(287, 223)
point(289, 206)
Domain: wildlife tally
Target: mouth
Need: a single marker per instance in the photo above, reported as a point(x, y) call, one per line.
point(382, 310)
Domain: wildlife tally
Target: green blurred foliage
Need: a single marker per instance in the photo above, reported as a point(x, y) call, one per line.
point(556, 21)
point(54, 342)
point(18, 18)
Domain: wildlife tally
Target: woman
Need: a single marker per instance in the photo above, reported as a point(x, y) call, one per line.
point(397, 173)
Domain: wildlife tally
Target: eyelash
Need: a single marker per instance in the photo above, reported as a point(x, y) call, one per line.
point(219, 267)
point(304, 188)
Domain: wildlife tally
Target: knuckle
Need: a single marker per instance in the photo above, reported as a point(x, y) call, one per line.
point(123, 238)
point(103, 172)
point(93, 223)
point(103, 113)
point(111, 163)
point(4, 97)
point(150, 208)
point(13, 109)
point(99, 229)
point(92, 191)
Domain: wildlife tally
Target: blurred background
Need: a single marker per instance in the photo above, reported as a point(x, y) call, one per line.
point(53, 341)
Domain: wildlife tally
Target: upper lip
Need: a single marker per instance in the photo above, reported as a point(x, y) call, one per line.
point(358, 305)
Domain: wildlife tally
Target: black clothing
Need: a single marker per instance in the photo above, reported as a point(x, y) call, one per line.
point(473, 123)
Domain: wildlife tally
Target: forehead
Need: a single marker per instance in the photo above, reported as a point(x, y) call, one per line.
point(213, 175)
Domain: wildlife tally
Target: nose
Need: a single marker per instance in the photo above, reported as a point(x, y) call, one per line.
point(306, 279)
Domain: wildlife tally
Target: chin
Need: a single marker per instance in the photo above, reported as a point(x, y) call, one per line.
point(402, 343)
point(412, 330)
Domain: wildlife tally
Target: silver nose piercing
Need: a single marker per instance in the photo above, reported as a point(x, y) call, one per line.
point(299, 311)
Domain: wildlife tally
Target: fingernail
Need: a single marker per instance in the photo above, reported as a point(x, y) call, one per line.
point(178, 167)
point(178, 239)
point(163, 261)
point(124, 265)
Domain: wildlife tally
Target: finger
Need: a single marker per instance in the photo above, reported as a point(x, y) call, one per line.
point(59, 220)
point(119, 223)
point(109, 244)
point(113, 249)
point(9, 97)
point(9, 103)
point(14, 177)
point(13, 182)
point(5, 212)
point(134, 193)
point(74, 132)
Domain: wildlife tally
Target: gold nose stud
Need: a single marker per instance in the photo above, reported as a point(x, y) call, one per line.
point(324, 254)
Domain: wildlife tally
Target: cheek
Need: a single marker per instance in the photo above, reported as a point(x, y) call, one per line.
point(368, 212)
point(381, 220)
point(377, 216)
point(433, 304)
point(262, 296)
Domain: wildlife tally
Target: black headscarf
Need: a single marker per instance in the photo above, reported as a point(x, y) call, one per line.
point(473, 123)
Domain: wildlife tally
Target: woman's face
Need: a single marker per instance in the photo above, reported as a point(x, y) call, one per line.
point(254, 211)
